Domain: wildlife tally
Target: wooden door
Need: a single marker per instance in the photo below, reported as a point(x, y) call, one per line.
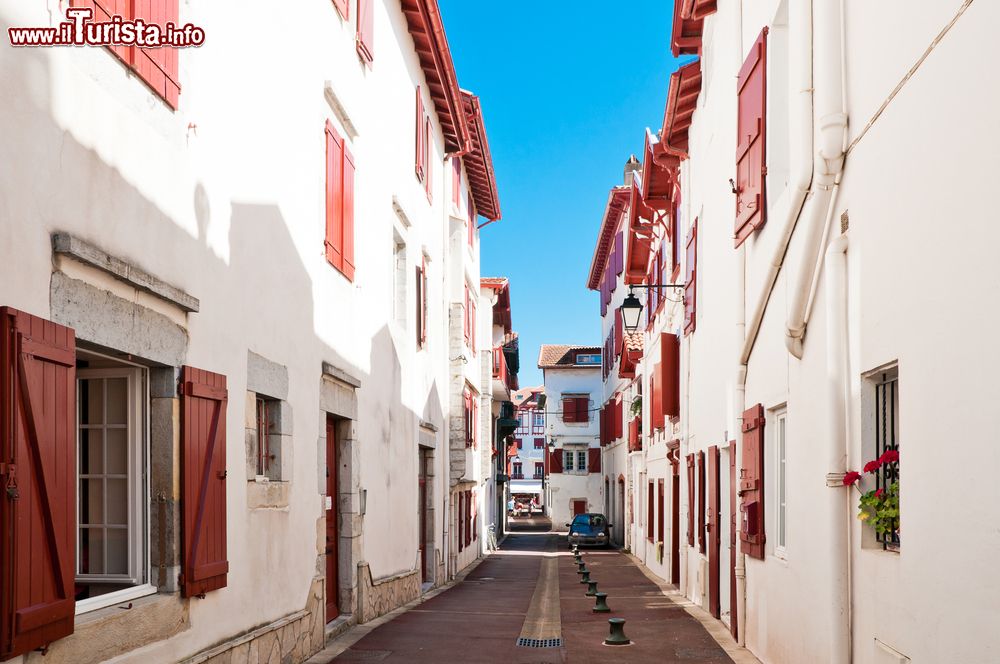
point(332, 521)
point(732, 538)
point(579, 507)
point(675, 524)
point(713, 530)
point(422, 507)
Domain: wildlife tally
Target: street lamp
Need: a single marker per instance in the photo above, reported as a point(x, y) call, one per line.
point(631, 308)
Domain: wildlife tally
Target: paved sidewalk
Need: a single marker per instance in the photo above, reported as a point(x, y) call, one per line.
point(529, 589)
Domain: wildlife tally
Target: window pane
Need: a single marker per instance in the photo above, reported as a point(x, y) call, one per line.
point(92, 401)
point(91, 551)
point(91, 451)
point(117, 545)
point(92, 502)
point(117, 502)
point(117, 451)
point(117, 396)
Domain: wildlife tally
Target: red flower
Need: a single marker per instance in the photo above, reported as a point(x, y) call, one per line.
point(878, 493)
point(851, 477)
point(872, 466)
point(889, 456)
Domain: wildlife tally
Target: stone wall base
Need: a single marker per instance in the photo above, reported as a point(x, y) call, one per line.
point(377, 598)
point(288, 640)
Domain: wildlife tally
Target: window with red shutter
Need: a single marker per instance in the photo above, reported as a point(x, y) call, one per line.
point(428, 163)
point(691, 283)
point(339, 241)
point(366, 30)
point(468, 518)
point(675, 238)
point(555, 457)
point(616, 413)
point(751, 163)
point(582, 409)
point(752, 483)
point(461, 520)
point(343, 6)
point(475, 420)
point(620, 253)
point(594, 460)
point(604, 425)
point(569, 409)
point(157, 67)
point(670, 380)
point(659, 511)
point(656, 396)
point(203, 479)
point(633, 435)
point(38, 473)
point(690, 510)
point(649, 511)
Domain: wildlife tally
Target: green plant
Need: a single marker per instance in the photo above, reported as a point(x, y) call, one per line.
point(879, 508)
point(635, 410)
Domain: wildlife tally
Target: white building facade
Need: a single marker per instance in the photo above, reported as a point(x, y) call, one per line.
point(573, 387)
point(239, 328)
point(527, 467)
point(796, 348)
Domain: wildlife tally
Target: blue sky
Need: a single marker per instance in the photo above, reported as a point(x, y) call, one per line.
point(567, 90)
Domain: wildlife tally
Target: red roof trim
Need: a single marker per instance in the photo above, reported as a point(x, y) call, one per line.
point(479, 163)
point(682, 97)
point(613, 212)
point(501, 310)
point(423, 18)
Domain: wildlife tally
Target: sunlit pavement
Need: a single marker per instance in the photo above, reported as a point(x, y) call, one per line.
point(530, 588)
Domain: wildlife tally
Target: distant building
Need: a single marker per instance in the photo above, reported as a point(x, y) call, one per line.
point(527, 466)
point(573, 389)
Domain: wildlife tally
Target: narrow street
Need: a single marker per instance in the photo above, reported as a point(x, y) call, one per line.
point(530, 590)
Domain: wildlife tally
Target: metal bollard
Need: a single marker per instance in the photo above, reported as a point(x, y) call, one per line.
point(601, 606)
point(581, 565)
point(585, 578)
point(591, 588)
point(617, 636)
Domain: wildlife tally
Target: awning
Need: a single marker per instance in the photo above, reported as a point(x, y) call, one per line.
point(525, 486)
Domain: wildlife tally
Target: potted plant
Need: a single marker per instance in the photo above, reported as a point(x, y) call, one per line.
point(879, 507)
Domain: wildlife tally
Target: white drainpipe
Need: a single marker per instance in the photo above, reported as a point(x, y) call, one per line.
point(839, 519)
point(831, 137)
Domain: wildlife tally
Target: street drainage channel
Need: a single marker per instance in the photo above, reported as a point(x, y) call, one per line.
point(542, 626)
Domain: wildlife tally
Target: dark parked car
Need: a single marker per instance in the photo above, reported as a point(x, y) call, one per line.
point(589, 530)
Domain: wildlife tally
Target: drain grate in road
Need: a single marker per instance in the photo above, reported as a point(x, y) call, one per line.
point(539, 643)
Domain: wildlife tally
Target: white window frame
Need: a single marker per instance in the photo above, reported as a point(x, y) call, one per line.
point(568, 456)
point(780, 430)
point(138, 490)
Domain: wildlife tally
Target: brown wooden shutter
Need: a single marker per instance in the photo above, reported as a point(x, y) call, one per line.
point(670, 380)
point(691, 283)
point(594, 460)
point(714, 544)
point(203, 457)
point(752, 483)
point(37, 482)
point(751, 165)
point(690, 487)
point(555, 461)
point(366, 30)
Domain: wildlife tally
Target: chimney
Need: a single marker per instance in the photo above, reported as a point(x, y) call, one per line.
point(631, 166)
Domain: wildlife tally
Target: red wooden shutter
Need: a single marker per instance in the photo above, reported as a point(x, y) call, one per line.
point(468, 517)
point(472, 326)
point(690, 514)
point(475, 420)
point(751, 165)
point(569, 409)
point(420, 152)
point(752, 483)
point(348, 239)
point(701, 502)
point(366, 30)
point(422, 302)
point(334, 197)
point(691, 283)
point(670, 366)
point(582, 409)
point(37, 482)
point(620, 247)
point(203, 458)
point(428, 164)
point(158, 66)
point(461, 520)
point(616, 417)
point(714, 543)
point(468, 418)
point(604, 425)
point(659, 511)
point(103, 11)
point(594, 460)
point(343, 6)
point(633, 435)
point(555, 461)
point(649, 511)
point(456, 185)
point(656, 397)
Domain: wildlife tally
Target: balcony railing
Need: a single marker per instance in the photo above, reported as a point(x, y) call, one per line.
point(500, 370)
point(517, 476)
point(538, 476)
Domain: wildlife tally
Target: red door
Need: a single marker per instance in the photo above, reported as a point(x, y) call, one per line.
point(579, 507)
point(332, 530)
point(732, 538)
point(713, 530)
point(422, 498)
point(675, 524)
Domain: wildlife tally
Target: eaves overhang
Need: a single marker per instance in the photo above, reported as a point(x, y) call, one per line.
point(618, 199)
point(478, 161)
